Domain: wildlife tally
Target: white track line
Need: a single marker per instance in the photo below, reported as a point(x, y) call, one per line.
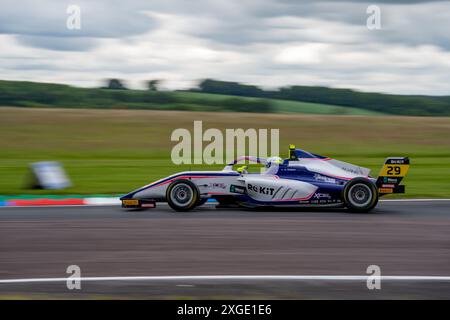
point(230, 278)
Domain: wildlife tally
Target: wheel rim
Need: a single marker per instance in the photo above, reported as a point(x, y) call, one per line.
point(360, 195)
point(181, 194)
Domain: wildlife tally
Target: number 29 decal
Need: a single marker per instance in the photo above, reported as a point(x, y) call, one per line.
point(393, 170)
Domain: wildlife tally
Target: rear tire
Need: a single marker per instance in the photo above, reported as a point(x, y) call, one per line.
point(360, 195)
point(182, 195)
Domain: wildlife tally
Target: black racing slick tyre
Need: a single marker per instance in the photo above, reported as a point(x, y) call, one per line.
point(360, 195)
point(182, 195)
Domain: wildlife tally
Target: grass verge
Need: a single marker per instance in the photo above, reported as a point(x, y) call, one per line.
point(116, 151)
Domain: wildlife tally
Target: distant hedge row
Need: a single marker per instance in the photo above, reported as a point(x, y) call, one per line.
point(15, 93)
point(26, 94)
point(385, 103)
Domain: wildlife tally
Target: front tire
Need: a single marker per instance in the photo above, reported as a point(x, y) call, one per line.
point(360, 195)
point(182, 195)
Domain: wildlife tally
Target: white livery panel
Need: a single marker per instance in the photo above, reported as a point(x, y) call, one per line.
point(271, 188)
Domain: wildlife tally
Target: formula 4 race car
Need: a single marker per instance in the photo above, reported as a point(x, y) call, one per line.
point(303, 180)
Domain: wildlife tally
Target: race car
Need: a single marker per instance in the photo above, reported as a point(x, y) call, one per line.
point(302, 180)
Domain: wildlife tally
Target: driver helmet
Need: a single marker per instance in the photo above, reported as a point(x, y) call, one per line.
point(273, 160)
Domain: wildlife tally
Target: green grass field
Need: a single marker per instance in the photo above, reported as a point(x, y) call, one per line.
point(115, 151)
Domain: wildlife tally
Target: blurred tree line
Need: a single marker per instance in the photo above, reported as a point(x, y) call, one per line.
point(115, 94)
point(117, 84)
point(386, 103)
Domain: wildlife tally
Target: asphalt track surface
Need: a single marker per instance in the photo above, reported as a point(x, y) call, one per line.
point(403, 238)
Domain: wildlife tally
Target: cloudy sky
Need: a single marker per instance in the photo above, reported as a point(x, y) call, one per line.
point(270, 43)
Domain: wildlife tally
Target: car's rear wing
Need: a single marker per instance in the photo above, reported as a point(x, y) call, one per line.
point(391, 174)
